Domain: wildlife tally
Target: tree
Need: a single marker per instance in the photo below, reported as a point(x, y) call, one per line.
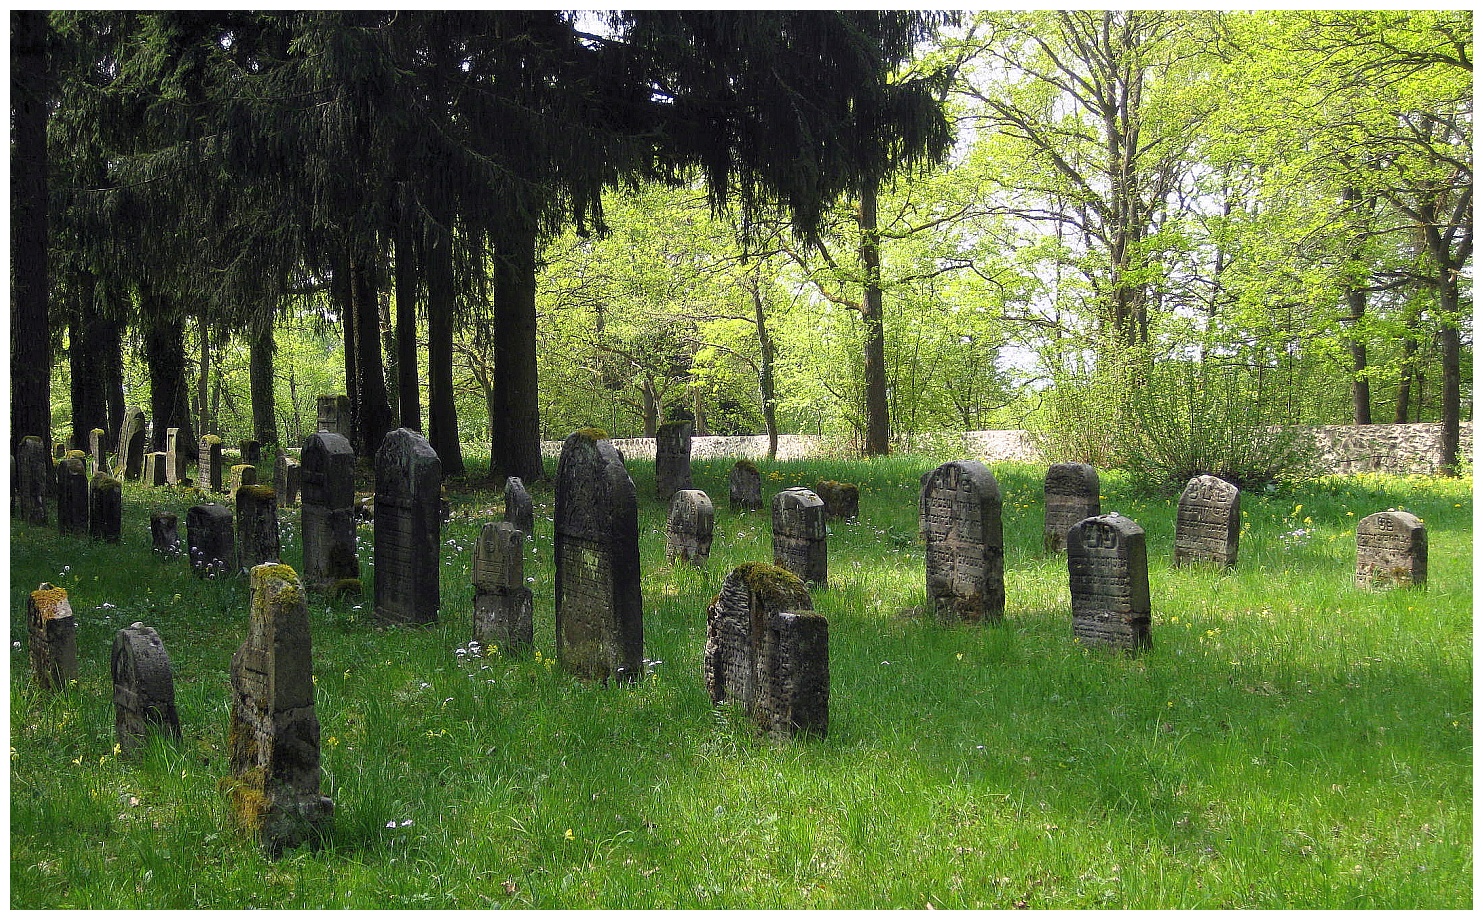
point(30, 324)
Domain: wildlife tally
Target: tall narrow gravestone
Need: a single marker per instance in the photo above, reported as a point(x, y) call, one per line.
point(273, 737)
point(154, 469)
point(962, 523)
point(1207, 526)
point(409, 477)
point(257, 527)
point(599, 604)
point(210, 540)
point(98, 448)
point(105, 509)
point(328, 515)
point(34, 471)
point(800, 535)
point(287, 477)
point(208, 464)
point(175, 457)
point(129, 458)
point(1390, 551)
point(744, 487)
point(672, 459)
point(72, 498)
point(143, 688)
point(1109, 582)
point(1071, 495)
point(52, 635)
point(519, 509)
point(334, 415)
point(503, 605)
point(692, 522)
point(766, 651)
point(164, 534)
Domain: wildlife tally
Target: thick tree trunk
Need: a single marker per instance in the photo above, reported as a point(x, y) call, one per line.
point(651, 408)
point(170, 391)
point(203, 381)
point(877, 406)
point(409, 396)
point(442, 413)
point(30, 332)
point(702, 428)
point(375, 418)
point(1360, 388)
point(341, 293)
point(88, 361)
point(388, 331)
point(1451, 347)
point(766, 383)
point(260, 352)
point(516, 441)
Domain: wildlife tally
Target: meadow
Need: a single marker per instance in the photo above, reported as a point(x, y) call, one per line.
point(1289, 741)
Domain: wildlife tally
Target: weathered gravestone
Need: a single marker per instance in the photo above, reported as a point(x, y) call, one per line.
point(1072, 494)
point(58, 450)
point(334, 415)
point(273, 738)
point(690, 527)
point(766, 651)
point(672, 459)
point(164, 534)
point(519, 509)
point(1207, 526)
point(72, 498)
point(962, 523)
point(1390, 551)
point(599, 604)
point(208, 464)
point(143, 688)
point(211, 540)
point(154, 469)
point(409, 477)
point(287, 477)
point(257, 527)
point(800, 535)
point(503, 604)
point(105, 509)
point(841, 499)
point(330, 561)
point(251, 450)
point(243, 474)
point(175, 457)
point(129, 458)
point(1108, 564)
point(744, 487)
point(98, 449)
point(52, 635)
point(34, 471)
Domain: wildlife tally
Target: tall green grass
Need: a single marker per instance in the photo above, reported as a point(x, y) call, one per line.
point(1289, 741)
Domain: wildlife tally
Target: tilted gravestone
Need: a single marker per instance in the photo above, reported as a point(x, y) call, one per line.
point(744, 487)
point(257, 527)
point(1108, 563)
point(143, 688)
point(287, 477)
point(98, 448)
point(52, 635)
point(129, 457)
point(691, 525)
point(599, 604)
point(841, 499)
point(251, 450)
point(34, 471)
point(164, 534)
point(672, 459)
point(1072, 494)
point(175, 457)
point(72, 498)
point(273, 737)
point(766, 651)
point(211, 540)
point(1207, 526)
point(503, 604)
point(208, 464)
point(409, 477)
point(334, 415)
point(243, 474)
point(331, 564)
point(800, 535)
point(1390, 551)
point(154, 469)
point(105, 509)
point(519, 509)
point(962, 522)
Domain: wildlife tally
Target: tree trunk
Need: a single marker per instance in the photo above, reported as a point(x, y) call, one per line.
point(375, 418)
point(203, 382)
point(170, 392)
point(442, 413)
point(877, 407)
point(341, 292)
point(88, 360)
point(766, 383)
point(409, 396)
point(698, 404)
point(1360, 388)
point(651, 408)
point(1451, 375)
point(516, 443)
point(388, 335)
point(30, 333)
point(260, 351)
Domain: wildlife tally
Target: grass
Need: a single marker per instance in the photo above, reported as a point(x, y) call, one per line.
point(1289, 741)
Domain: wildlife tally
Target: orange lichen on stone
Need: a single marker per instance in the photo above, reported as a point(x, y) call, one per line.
point(51, 602)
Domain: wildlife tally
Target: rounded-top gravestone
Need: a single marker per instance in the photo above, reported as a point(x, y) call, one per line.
point(143, 687)
point(1108, 563)
point(1207, 526)
point(407, 526)
point(1390, 551)
point(1071, 495)
point(962, 524)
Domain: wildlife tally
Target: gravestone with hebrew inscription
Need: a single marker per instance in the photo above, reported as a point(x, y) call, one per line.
point(503, 603)
point(672, 459)
point(211, 541)
point(519, 509)
point(52, 635)
point(800, 535)
point(841, 499)
point(129, 457)
point(1072, 494)
point(744, 486)
point(689, 530)
point(599, 604)
point(962, 522)
point(1207, 525)
point(334, 415)
point(72, 498)
point(331, 562)
point(105, 509)
point(409, 480)
point(257, 527)
point(1390, 551)
point(35, 479)
point(288, 477)
point(208, 464)
point(1108, 564)
point(143, 688)
point(164, 534)
point(98, 449)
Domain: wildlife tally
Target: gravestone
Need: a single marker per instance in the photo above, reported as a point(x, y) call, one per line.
point(330, 561)
point(154, 469)
point(52, 635)
point(766, 651)
point(1207, 526)
point(34, 472)
point(164, 534)
point(599, 604)
point(334, 415)
point(841, 499)
point(143, 688)
point(1072, 494)
point(243, 474)
point(58, 450)
point(409, 477)
point(175, 457)
point(800, 535)
point(208, 464)
point(72, 498)
point(211, 540)
point(672, 459)
point(519, 509)
point(129, 457)
point(744, 486)
point(105, 509)
point(98, 449)
point(1108, 563)
point(963, 525)
point(287, 477)
point(273, 737)
point(1390, 551)
point(257, 527)
point(251, 450)
point(503, 604)
point(692, 521)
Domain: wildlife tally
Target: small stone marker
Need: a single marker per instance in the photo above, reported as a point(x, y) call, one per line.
point(251, 450)
point(841, 499)
point(72, 498)
point(963, 525)
point(409, 479)
point(1072, 494)
point(208, 464)
point(164, 534)
point(287, 475)
point(211, 540)
point(599, 604)
point(1108, 563)
point(98, 448)
point(52, 634)
point(519, 509)
point(105, 509)
point(672, 459)
point(503, 604)
point(273, 737)
point(744, 486)
point(154, 469)
point(34, 471)
point(243, 474)
point(1207, 527)
point(331, 564)
point(58, 450)
point(129, 458)
point(257, 527)
point(800, 535)
point(1390, 551)
point(334, 415)
point(175, 457)
point(143, 688)
point(692, 522)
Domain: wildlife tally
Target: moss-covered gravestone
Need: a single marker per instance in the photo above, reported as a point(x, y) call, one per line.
point(1108, 563)
point(744, 487)
point(52, 635)
point(211, 540)
point(242, 474)
point(1072, 494)
point(143, 687)
point(690, 528)
point(72, 498)
point(409, 480)
point(34, 477)
point(519, 509)
point(331, 563)
point(800, 535)
point(672, 459)
point(129, 458)
point(105, 509)
point(1207, 526)
point(164, 534)
point(841, 499)
point(1390, 551)
point(257, 527)
point(208, 464)
point(962, 523)
point(503, 604)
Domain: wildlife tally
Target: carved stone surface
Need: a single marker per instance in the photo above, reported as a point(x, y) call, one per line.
point(800, 535)
point(1207, 526)
point(599, 605)
point(98, 449)
point(175, 457)
point(273, 737)
point(287, 474)
point(72, 498)
point(35, 476)
point(519, 509)
point(243, 474)
point(154, 469)
point(251, 450)
point(143, 687)
point(672, 459)
point(257, 527)
point(208, 464)
point(744, 486)
point(1071, 495)
point(211, 540)
point(841, 499)
point(734, 626)
point(1390, 551)
point(164, 534)
point(691, 525)
point(105, 509)
point(52, 634)
point(795, 668)
point(961, 511)
point(1109, 582)
point(328, 514)
point(409, 479)
point(503, 605)
point(129, 457)
point(334, 415)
